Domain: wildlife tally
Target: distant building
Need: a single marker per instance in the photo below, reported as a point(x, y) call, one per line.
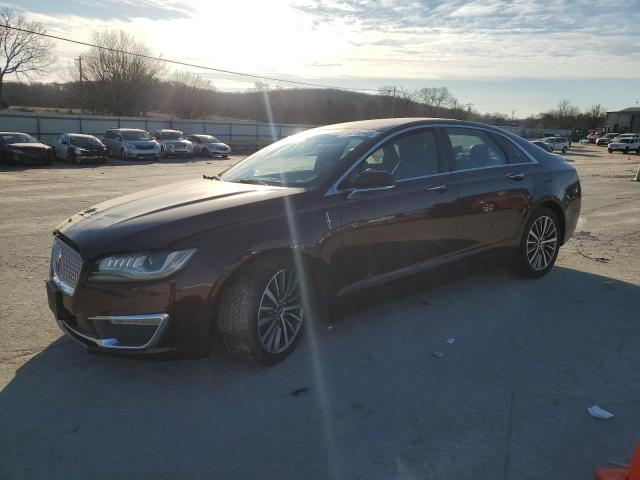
point(627, 120)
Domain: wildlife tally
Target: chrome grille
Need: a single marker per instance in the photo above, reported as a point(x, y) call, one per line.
point(66, 264)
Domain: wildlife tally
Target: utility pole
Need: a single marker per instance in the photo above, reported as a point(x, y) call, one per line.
point(393, 103)
point(81, 82)
point(79, 59)
point(513, 113)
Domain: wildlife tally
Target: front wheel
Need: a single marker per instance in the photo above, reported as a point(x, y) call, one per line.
point(610, 150)
point(261, 315)
point(564, 149)
point(539, 245)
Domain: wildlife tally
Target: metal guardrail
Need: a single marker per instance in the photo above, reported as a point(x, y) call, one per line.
point(46, 127)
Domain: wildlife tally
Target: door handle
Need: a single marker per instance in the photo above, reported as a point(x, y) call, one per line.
point(438, 189)
point(516, 177)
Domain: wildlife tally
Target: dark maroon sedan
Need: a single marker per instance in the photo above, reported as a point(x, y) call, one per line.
point(318, 215)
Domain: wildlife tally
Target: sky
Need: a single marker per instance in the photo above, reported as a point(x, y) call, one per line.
point(520, 56)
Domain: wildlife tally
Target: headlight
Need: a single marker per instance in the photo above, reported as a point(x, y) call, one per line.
point(130, 145)
point(140, 266)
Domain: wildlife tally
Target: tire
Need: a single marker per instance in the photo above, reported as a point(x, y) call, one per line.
point(225, 156)
point(564, 149)
point(626, 150)
point(534, 260)
point(252, 325)
point(610, 150)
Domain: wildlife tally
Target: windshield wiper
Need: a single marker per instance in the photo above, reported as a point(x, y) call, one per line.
point(253, 181)
point(211, 177)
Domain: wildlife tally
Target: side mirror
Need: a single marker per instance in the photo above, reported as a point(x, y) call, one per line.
point(371, 179)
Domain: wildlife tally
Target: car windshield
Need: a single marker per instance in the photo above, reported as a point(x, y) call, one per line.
point(17, 138)
point(135, 135)
point(299, 160)
point(85, 142)
point(172, 135)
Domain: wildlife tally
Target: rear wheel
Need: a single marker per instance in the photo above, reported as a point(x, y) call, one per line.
point(261, 316)
point(539, 245)
point(564, 149)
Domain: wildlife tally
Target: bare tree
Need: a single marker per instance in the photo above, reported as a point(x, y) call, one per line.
point(118, 75)
point(23, 53)
point(434, 99)
point(191, 95)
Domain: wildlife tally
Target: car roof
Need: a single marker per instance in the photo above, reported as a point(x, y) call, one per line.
point(168, 130)
point(80, 135)
point(13, 133)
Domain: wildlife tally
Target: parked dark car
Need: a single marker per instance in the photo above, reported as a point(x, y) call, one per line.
point(79, 148)
point(20, 148)
point(316, 216)
point(545, 146)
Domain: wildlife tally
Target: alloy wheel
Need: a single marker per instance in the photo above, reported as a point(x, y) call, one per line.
point(280, 312)
point(542, 242)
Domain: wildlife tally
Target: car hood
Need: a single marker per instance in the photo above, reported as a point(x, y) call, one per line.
point(28, 145)
point(140, 142)
point(218, 145)
point(159, 217)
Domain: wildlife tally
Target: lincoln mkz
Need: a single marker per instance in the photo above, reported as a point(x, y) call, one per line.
point(319, 215)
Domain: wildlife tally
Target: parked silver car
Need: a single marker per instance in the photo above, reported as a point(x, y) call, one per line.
point(131, 143)
point(77, 148)
point(209, 146)
point(173, 143)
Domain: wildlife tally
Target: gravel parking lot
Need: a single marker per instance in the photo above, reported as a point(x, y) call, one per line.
point(359, 399)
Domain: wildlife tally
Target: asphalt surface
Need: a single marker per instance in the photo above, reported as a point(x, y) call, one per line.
point(363, 398)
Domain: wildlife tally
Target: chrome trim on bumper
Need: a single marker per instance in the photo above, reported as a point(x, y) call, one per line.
point(68, 289)
point(159, 319)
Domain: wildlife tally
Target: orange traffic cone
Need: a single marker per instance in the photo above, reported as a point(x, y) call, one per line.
point(632, 472)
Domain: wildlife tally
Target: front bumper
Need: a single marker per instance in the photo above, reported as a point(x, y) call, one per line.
point(176, 314)
point(142, 154)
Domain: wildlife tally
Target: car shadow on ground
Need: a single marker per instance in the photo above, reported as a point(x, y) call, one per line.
point(111, 162)
point(365, 397)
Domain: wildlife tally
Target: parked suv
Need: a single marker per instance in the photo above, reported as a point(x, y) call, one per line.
point(557, 143)
point(131, 143)
point(209, 146)
point(173, 142)
point(606, 139)
point(625, 144)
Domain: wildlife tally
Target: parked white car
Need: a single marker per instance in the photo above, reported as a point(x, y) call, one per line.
point(209, 146)
point(625, 144)
point(173, 143)
point(557, 143)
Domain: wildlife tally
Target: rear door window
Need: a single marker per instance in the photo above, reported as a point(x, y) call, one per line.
point(514, 154)
point(473, 148)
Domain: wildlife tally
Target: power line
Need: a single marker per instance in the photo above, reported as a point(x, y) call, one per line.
point(185, 64)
